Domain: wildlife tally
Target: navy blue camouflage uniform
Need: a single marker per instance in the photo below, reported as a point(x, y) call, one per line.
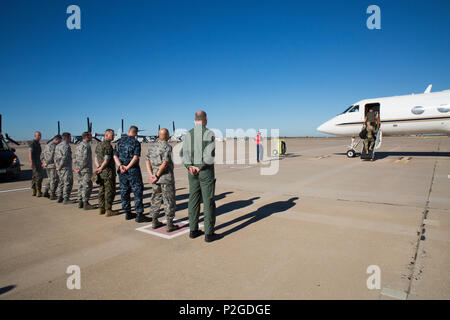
point(126, 148)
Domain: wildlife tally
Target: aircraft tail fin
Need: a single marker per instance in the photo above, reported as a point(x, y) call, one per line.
point(428, 89)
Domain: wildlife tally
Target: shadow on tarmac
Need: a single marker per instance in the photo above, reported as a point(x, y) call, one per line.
point(184, 205)
point(255, 216)
point(6, 289)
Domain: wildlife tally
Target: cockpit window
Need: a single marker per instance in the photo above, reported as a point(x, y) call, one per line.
point(351, 109)
point(354, 109)
point(345, 111)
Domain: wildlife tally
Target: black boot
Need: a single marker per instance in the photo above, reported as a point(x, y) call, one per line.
point(80, 204)
point(60, 199)
point(129, 215)
point(142, 218)
point(212, 237)
point(195, 234)
point(53, 197)
point(46, 194)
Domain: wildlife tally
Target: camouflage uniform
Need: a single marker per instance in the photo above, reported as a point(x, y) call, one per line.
point(126, 148)
point(164, 188)
point(36, 180)
point(83, 162)
point(107, 178)
point(63, 161)
point(199, 151)
point(52, 176)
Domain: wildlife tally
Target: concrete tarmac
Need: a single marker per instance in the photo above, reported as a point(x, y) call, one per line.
point(310, 231)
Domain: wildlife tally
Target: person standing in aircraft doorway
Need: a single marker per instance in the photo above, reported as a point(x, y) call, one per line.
point(373, 118)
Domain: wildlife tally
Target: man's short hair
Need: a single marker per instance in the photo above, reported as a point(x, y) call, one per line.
point(134, 128)
point(200, 115)
point(109, 130)
point(58, 136)
point(66, 135)
point(85, 134)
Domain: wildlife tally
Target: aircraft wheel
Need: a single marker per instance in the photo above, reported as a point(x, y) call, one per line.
point(351, 153)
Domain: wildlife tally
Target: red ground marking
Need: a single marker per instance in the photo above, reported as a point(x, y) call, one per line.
point(162, 230)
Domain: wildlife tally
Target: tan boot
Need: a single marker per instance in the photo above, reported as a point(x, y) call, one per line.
point(156, 223)
point(101, 210)
point(171, 227)
point(87, 206)
point(111, 212)
point(39, 192)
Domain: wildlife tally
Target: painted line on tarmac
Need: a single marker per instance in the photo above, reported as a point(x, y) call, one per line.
point(401, 295)
point(161, 233)
point(12, 190)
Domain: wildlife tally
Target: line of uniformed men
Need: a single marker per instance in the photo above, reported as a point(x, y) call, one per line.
point(198, 154)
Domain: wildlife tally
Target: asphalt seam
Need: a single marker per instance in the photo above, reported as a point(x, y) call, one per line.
point(421, 237)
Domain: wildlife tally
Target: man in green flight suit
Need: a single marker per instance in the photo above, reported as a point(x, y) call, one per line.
point(198, 154)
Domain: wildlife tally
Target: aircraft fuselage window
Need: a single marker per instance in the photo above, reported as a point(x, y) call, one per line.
point(418, 110)
point(444, 108)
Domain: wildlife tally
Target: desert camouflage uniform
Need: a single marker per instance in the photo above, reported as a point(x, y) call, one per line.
point(52, 176)
point(83, 162)
point(107, 178)
point(36, 180)
point(164, 188)
point(63, 161)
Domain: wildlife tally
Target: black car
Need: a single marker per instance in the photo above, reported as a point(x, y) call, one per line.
point(9, 162)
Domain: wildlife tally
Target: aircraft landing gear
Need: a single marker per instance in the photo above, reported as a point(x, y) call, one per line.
point(351, 153)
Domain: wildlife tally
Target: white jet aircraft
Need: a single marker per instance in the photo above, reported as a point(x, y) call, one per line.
point(424, 113)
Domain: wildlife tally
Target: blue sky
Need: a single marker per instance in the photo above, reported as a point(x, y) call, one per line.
point(250, 64)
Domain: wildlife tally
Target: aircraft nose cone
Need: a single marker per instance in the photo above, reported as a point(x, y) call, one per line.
point(327, 127)
point(323, 127)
